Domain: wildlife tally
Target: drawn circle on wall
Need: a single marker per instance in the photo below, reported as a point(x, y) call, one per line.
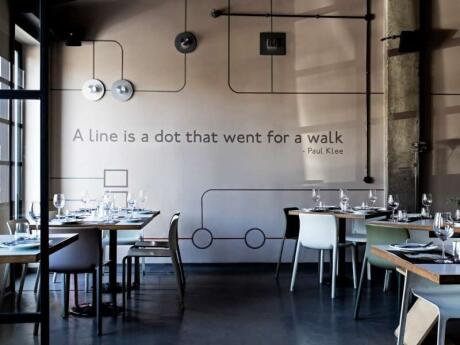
point(254, 238)
point(202, 238)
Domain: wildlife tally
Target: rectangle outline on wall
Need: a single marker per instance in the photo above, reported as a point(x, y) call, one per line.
point(115, 170)
point(121, 192)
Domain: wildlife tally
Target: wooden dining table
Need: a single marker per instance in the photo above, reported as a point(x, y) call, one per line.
point(414, 325)
point(342, 218)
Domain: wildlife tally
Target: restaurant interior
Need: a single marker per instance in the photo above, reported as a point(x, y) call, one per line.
point(229, 172)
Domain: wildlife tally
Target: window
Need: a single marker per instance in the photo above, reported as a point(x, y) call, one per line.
point(11, 135)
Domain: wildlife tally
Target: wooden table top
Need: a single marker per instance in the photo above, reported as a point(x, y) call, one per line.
point(57, 242)
point(437, 273)
point(342, 215)
point(422, 224)
point(144, 220)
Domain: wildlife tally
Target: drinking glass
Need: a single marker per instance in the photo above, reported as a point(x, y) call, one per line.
point(59, 203)
point(393, 204)
point(131, 201)
point(21, 231)
point(372, 197)
point(343, 196)
point(427, 200)
point(142, 198)
point(315, 195)
point(443, 227)
point(107, 203)
point(85, 200)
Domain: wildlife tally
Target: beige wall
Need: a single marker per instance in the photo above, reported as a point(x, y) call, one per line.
point(319, 83)
point(443, 171)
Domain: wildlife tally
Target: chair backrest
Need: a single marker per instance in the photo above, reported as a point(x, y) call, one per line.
point(173, 236)
point(292, 223)
point(382, 235)
point(11, 224)
point(81, 256)
point(318, 231)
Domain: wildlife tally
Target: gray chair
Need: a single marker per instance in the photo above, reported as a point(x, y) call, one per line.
point(379, 235)
point(147, 249)
point(82, 256)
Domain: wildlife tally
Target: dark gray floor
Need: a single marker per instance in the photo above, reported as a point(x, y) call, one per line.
point(227, 305)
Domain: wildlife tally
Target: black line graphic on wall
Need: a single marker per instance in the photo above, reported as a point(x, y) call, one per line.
point(208, 237)
point(122, 62)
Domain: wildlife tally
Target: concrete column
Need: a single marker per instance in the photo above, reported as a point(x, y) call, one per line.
point(402, 104)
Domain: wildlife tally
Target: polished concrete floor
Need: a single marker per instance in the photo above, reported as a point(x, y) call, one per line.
point(236, 304)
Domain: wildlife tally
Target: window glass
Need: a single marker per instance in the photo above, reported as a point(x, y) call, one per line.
point(4, 142)
point(4, 184)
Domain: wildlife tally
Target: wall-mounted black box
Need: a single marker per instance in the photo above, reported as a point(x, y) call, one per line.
point(272, 43)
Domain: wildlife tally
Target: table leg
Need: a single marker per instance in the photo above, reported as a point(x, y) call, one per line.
point(404, 307)
point(342, 250)
point(113, 267)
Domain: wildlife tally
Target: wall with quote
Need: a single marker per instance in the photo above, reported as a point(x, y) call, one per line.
point(224, 135)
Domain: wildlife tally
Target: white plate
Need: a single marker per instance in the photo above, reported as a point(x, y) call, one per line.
point(132, 220)
point(416, 248)
point(23, 246)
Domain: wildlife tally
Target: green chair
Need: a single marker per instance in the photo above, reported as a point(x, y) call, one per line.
point(378, 235)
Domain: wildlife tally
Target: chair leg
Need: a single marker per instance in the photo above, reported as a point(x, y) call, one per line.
point(296, 265)
point(94, 289)
point(369, 272)
point(442, 323)
point(399, 290)
point(335, 268)
point(86, 282)
point(6, 273)
point(37, 324)
point(137, 272)
point(181, 266)
point(123, 284)
point(128, 284)
point(178, 278)
point(143, 266)
point(353, 266)
point(386, 283)
point(65, 295)
point(21, 284)
point(277, 271)
point(360, 289)
point(75, 289)
point(37, 278)
point(321, 265)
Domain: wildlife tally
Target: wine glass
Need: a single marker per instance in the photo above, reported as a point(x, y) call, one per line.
point(372, 197)
point(107, 202)
point(59, 203)
point(34, 214)
point(315, 195)
point(443, 227)
point(142, 198)
point(393, 204)
point(131, 201)
point(85, 199)
point(427, 200)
